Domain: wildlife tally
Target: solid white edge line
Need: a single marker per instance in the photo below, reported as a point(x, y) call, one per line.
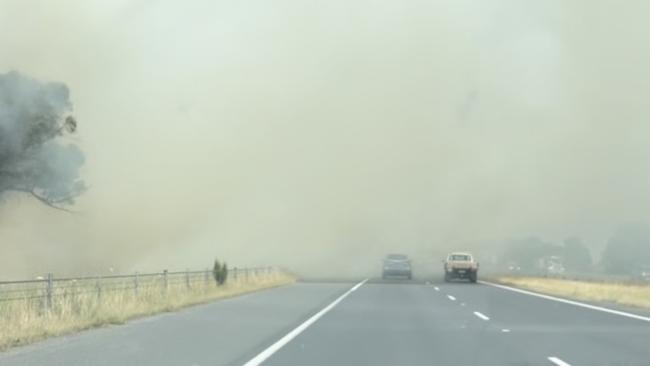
point(482, 316)
point(557, 361)
point(570, 302)
point(451, 298)
point(264, 355)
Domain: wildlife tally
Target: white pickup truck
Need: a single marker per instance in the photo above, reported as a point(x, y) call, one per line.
point(461, 265)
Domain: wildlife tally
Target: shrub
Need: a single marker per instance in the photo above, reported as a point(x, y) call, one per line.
point(220, 272)
point(224, 274)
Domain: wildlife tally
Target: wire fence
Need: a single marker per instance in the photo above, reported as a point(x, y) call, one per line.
point(46, 290)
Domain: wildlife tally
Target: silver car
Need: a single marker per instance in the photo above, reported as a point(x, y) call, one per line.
point(397, 265)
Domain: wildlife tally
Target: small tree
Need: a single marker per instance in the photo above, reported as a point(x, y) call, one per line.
point(220, 272)
point(216, 271)
point(224, 274)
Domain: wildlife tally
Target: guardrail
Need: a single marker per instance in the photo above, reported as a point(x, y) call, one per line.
point(50, 287)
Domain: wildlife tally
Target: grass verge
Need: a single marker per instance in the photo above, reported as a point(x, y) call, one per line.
point(627, 294)
point(27, 321)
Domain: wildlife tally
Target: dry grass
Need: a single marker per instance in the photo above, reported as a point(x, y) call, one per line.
point(628, 294)
point(26, 321)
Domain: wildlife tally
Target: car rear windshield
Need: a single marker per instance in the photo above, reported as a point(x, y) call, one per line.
point(397, 257)
point(459, 257)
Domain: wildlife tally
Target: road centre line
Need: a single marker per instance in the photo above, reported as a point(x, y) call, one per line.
point(451, 298)
point(482, 316)
point(570, 302)
point(264, 355)
point(557, 361)
point(436, 288)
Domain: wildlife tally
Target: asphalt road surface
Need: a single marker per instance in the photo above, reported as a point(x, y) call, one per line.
point(366, 323)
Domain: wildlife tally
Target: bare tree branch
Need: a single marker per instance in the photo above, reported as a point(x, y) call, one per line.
point(49, 203)
point(45, 201)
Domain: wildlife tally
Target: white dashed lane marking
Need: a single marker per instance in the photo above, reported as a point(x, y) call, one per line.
point(482, 316)
point(557, 361)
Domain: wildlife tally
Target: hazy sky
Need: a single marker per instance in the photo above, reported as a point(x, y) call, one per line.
point(307, 133)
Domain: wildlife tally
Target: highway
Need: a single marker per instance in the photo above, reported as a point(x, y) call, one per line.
point(372, 322)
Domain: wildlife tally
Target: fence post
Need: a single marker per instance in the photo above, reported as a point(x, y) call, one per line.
point(165, 283)
point(187, 278)
point(48, 290)
point(207, 277)
point(98, 284)
point(136, 283)
point(247, 274)
point(234, 273)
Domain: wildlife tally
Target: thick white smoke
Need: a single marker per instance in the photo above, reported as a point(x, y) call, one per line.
point(325, 134)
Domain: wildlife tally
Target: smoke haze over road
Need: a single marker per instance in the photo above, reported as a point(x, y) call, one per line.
point(313, 134)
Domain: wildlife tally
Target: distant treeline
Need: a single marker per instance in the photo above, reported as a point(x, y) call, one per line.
point(626, 252)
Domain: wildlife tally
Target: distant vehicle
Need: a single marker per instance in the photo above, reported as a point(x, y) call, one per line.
point(643, 273)
point(551, 265)
point(462, 266)
point(644, 276)
point(397, 265)
point(513, 267)
point(556, 269)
